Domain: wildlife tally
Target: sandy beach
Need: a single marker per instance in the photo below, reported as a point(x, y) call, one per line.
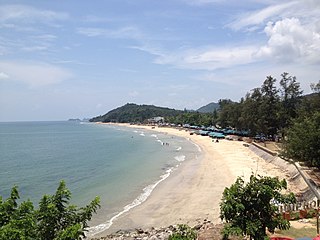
point(193, 192)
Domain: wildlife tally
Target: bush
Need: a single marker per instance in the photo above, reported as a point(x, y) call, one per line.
point(183, 232)
point(55, 219)
point(311, 213)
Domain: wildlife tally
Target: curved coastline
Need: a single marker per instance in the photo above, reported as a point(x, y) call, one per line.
point(194, 191)
point(96, 230)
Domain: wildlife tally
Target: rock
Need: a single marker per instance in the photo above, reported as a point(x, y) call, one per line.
point(139, 230)
point(197, 227)
point(205, 230)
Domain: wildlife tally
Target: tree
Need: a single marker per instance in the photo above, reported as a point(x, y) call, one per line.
point(290, 97)
point(269, 106)
point(55, 219)
point(303, 140)
point(315, 87)
point(311, 103)
point(17, 221)
point(251, 112)
point(248, 210)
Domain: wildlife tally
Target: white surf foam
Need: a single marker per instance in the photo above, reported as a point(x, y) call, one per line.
point(140, 199)
point(162, 143)
point(180, 158)
point(198, 147)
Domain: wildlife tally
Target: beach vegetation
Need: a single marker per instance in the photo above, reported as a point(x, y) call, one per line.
point(303, 140)
point(55, 219)
point(290, 93)
point(183, 232)
point(249, 209)
point(303, 136)
point(266, 110)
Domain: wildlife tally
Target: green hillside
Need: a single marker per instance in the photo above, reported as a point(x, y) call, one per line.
point(209, 108)
point(132, 113)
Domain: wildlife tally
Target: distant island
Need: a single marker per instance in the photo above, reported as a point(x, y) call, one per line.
point(79, 120)
point(74, 120)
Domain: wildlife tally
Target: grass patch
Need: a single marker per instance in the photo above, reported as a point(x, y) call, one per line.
point(298, 232)
point(302, 231)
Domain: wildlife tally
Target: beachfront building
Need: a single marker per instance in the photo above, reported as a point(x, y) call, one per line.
point(156, 120)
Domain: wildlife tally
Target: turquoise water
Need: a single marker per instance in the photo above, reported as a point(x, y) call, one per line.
point(121, 165)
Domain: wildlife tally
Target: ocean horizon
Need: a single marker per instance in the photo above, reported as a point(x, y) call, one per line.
point(121, 165)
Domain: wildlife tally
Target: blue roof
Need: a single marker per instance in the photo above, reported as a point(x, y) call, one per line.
point(216, 134)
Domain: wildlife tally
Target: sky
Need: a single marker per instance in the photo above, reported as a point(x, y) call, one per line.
point(79, 59)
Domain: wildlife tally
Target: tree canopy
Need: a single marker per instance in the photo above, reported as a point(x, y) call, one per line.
point(132, 113)
point(55, 219)
point(248, 210)
point(303, 140)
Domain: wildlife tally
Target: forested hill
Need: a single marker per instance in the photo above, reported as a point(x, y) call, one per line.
point(135, 113)
point(209, 108)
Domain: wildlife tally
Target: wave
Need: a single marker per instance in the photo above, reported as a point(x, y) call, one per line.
point(198, 147)
point(180, 158)
point(142, 134)
point(162, 143)
point(178, 148)
point(154, 135)
point(140, 199)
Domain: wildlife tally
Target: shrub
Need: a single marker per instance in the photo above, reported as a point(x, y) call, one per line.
point(55, 219)
point(183, 232)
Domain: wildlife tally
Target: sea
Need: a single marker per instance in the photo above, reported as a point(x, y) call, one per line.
point(119, 164)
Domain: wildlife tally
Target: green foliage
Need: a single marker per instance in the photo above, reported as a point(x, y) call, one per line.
point(290, 99)
point(132, 113)
point(194, 118)
point(311, 213)
point(209, 108)
point(315, 87)
point(303, 140)
point(184, 232)
point(55, 219)
point(248, 210)
point(17, 221)
point(266, 109)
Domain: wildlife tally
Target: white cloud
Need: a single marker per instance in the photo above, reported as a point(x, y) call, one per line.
point(34, 48)
point(291, 41)
point(128, 32)
point(24, 13)
point(287, 39)
point(34, 74)
point(307, 11)
point(3, 76)
point(260, 16)
point(209, 58)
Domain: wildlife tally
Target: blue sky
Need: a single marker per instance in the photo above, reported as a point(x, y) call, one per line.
point(76, 58)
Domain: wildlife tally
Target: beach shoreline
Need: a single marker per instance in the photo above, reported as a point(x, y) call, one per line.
point(192, 193)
